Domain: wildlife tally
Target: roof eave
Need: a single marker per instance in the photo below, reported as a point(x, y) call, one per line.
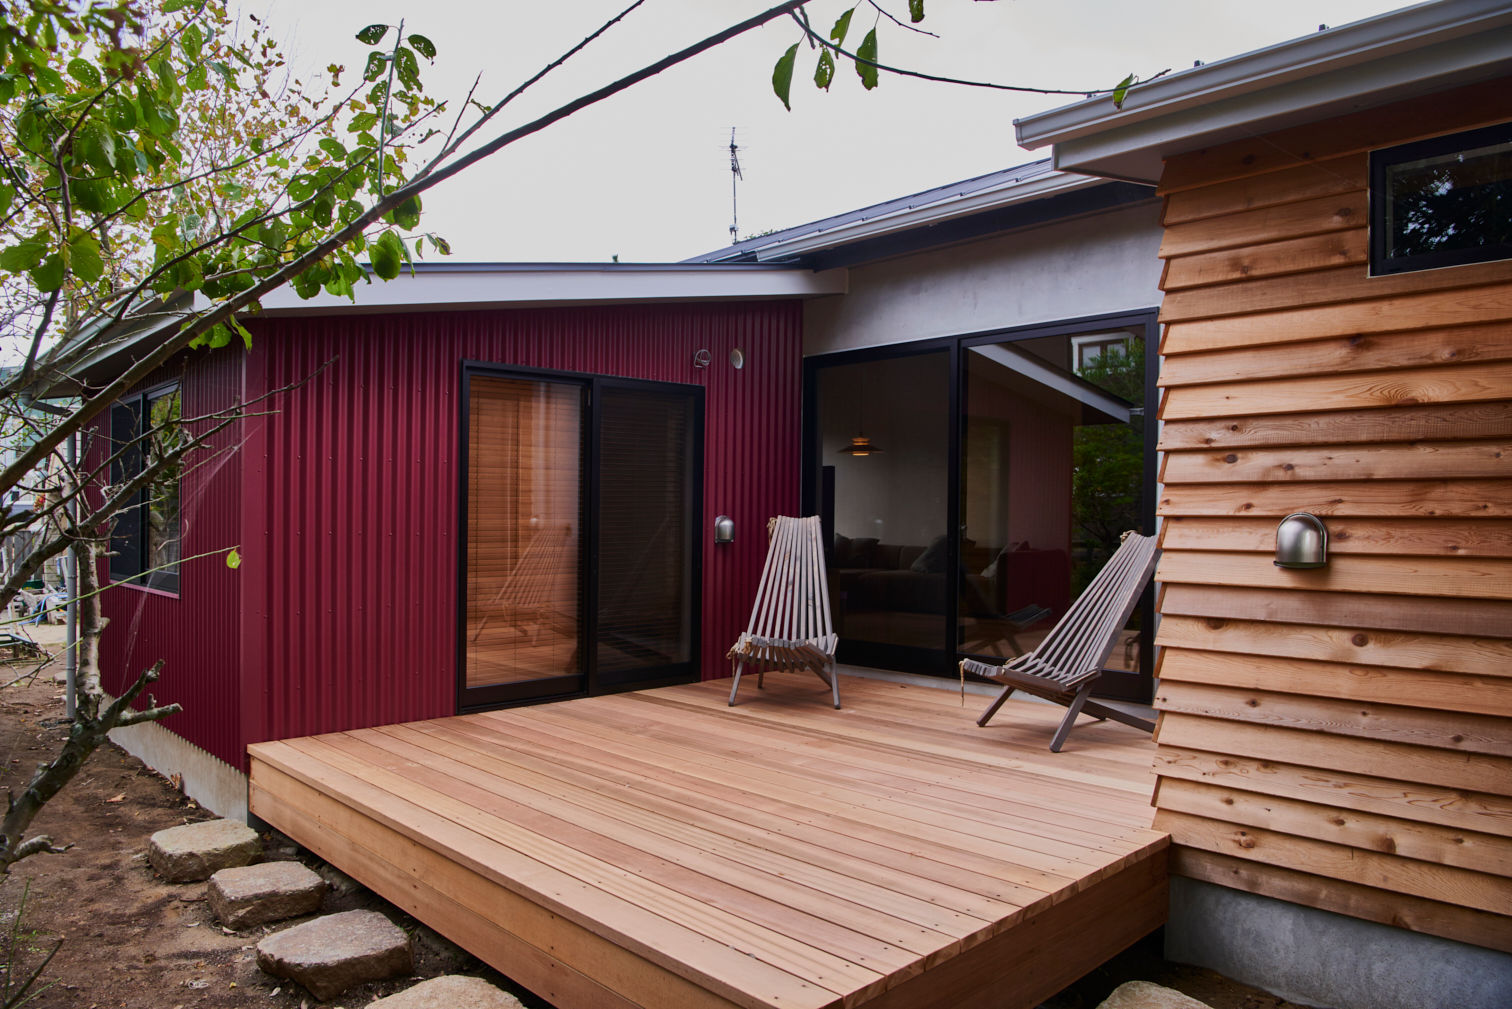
point(1419, 50)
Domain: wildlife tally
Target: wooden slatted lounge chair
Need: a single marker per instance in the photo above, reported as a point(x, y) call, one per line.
point(790, 621)
point(1068, 662)
point(525, 596)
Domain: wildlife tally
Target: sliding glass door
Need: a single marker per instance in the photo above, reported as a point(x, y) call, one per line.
point(580, 499)
point(971, 487)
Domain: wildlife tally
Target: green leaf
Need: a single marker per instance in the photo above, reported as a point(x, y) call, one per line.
point(386, 255)
point(24, 255)
point(7, 193)
point(241, 331)
point(301, 188)
point(84, 72)
point(169, 6)
point(84, 257)
point(48, 277)
point(197, 79)
point(218, 337)
point(372, 34)
point(824, 72)
point(233, 558)
point(192, 41)
point(1121, 91)
point(334, 148)
point(842, 25)
point(99, 148)
point(407, 67)
point(49, 79)
point(377, 63)
point(91, 194)
point(916, 11)
point(441, 244)
point(867, 51)
point(407, 214)
point(424, 46)
point(782, 75)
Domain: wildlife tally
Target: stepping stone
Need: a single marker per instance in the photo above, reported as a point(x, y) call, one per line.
point(249, 895)
point(336, 951)
point(197, 850)
point(1148, 995)
point(451, 991)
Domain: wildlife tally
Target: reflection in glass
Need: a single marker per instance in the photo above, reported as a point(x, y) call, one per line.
point(1052, 471)
point(889, 533)
point(164, 538)
point(524, 506)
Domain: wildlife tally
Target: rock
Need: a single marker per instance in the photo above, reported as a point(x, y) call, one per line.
point(452, 991)
point(1147, 995)
point(196, 850)
point(249, 895)
point(336, 951)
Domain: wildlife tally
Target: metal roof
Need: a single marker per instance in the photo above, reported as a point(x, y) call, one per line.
point(1023, 184)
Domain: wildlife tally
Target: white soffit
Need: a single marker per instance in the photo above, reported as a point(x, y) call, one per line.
point(1419, 50)
point(535, 285)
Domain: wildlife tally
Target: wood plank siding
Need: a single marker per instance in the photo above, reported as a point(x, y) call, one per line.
point(662, 849)
point(1339, 738)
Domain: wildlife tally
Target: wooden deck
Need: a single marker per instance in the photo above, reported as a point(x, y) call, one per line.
point(659, 849)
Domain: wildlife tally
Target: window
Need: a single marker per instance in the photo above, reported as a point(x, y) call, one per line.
point(1442, 202)
point(145, 431)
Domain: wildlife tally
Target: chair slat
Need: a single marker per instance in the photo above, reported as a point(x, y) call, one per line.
point(1065, 664)
point(790, 626)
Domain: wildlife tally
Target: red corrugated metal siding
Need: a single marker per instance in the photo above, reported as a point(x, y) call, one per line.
point(195, 632)
point(352, 487)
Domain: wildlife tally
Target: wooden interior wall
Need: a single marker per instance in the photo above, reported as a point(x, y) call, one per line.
point(1338, 738)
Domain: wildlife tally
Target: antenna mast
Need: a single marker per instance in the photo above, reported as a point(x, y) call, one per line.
point(735, 177)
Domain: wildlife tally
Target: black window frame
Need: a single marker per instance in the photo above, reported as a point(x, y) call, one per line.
point(130, 548)
point(1384, 159)
point(1136, 685)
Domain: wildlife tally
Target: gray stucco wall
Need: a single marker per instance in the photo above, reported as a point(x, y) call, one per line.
point(1095, 265)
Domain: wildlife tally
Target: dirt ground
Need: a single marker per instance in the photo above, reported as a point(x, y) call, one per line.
point(127, 940)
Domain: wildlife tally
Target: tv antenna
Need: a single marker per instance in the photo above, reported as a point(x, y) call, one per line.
point(735, 177)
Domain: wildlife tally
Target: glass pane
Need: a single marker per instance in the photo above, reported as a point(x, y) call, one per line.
point(524, 508)
point(1052, 475)
point(163, 535)
point(645, 535)
point(884, 428)
point(1450, 202)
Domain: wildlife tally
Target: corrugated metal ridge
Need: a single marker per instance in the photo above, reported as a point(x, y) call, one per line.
point(1004, 179)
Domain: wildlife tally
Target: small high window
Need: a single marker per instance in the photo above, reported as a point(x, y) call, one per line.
point(1442, 202)
point(145, 430)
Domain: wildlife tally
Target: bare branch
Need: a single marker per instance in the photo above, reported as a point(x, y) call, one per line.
point(815, 37)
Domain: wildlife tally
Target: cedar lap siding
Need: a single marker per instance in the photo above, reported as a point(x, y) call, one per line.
point(344, 503)
point(1337, 738)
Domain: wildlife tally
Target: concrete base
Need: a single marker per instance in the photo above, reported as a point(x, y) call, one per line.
point(1329, 960)
point(209, 781)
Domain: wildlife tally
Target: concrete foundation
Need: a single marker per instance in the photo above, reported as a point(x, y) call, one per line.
point(209, 781)
point(1329, 960)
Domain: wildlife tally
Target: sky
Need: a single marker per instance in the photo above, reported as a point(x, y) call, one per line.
point(645, 176)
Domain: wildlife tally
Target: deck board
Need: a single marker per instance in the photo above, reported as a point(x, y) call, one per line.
point(662, 849)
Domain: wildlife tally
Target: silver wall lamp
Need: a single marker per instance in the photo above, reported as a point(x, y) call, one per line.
point(724, 529)
point(1301, 541)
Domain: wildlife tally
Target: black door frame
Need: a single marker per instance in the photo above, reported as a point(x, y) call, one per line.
point(586, 681)
point(1136, 686)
